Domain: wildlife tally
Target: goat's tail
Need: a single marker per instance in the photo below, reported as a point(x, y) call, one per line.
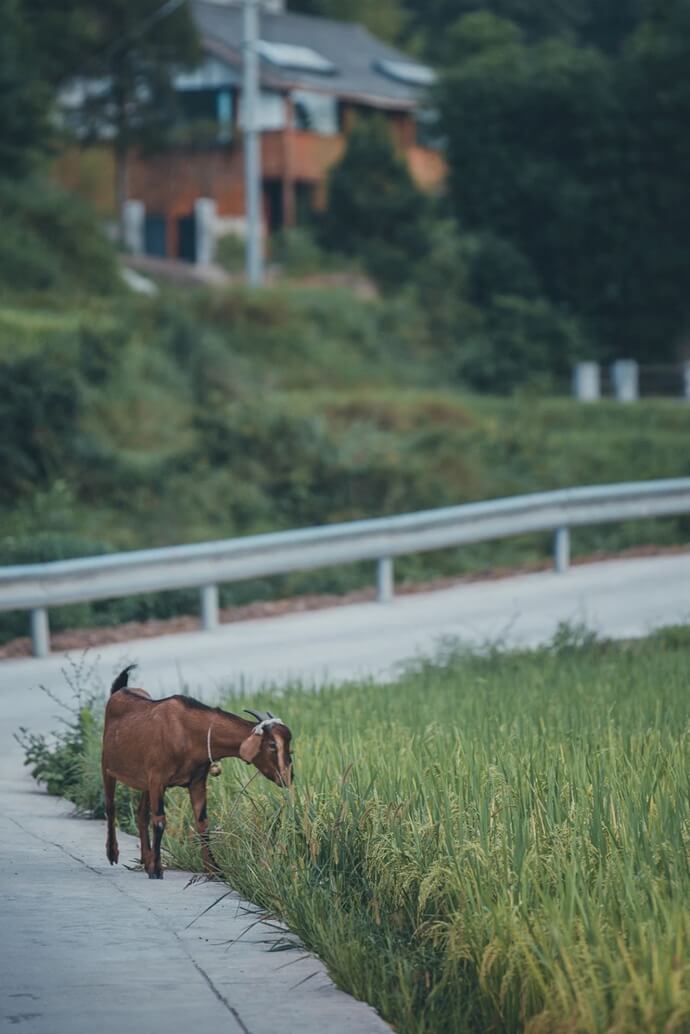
point(122, 679)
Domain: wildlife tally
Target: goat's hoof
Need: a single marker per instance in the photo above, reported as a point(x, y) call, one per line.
point(155, 875)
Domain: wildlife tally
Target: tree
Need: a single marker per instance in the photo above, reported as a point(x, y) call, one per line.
point(605, 24)
point(375, 211)
point(579, 161)
point(128, 73)
point(24, 99)
point(385, 19)
point(124, 52)
point(654, 211)
point(62, 32)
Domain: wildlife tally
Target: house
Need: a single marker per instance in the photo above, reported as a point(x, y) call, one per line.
point(317, 76)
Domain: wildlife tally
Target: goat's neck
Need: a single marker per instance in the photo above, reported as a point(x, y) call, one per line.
point(227, 733)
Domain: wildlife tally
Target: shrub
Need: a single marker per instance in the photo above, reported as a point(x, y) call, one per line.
point(231, 252)
point(375, 212)
point(297, 252)
point(51, 241)
point(40, 410)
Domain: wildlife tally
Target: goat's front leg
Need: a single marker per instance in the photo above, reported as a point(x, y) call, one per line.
point(111, 848)
point(197, 795)
point(143, 819)
point(157, 803)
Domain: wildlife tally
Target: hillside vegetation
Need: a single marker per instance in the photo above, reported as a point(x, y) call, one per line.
point(129, 423)
point(492, 843)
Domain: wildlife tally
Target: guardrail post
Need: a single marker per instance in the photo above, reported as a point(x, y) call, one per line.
point(385, 580)
point(209, 607)
point(40, 632)
point(561, 550)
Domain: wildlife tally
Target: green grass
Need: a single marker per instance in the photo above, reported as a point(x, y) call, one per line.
point(492, 843)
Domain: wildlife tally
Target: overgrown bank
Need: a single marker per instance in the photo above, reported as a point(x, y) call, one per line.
point(139, 423)
point(492, 843)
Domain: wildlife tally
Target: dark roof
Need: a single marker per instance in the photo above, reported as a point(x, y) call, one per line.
point(350, 47)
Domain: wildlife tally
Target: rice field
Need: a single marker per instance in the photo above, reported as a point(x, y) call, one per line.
point(495, 843)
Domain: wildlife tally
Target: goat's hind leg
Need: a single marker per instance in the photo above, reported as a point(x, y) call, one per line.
point(156, 792)
point(143, 819)
point(111, 848)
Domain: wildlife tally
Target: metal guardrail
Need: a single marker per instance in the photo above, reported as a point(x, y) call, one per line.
point(35, 587)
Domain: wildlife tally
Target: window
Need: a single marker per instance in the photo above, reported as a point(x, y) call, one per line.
point(270, 113)
point(206, 115)
point(429, 133)
point(316, 112)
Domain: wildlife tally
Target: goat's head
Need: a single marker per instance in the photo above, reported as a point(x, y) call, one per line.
point(267, 747)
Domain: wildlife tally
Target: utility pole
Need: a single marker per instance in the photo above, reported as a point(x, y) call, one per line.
point(252, 153)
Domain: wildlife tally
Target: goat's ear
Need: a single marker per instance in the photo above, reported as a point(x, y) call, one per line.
point(250, 747)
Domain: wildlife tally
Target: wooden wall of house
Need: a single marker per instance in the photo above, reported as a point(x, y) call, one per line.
point(168, 184)
point(428, 168)
point(295, 166)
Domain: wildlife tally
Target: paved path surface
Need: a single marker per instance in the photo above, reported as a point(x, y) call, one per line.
point(617, 598)
point(90, 948)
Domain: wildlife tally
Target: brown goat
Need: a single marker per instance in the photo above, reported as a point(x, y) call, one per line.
point(152, 744)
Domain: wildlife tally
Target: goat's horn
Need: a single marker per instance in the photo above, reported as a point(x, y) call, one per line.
point(270, 715)
point(254, 714)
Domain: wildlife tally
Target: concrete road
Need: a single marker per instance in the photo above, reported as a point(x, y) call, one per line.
point(617, 598)
point(92, 949)
point(87, 947)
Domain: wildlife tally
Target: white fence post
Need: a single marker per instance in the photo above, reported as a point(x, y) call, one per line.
point(385, 581)
point(134, 217)
point(587, 382)
point(209, 607)
point(205, 228)
point(625, 374)
point(40, 632)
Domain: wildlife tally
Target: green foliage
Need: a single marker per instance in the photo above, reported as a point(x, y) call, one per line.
point(39, 418)
point(51, 242)
point(552, 152)
point(297, 252)
point(385, 19)
point(136, 48)
point(375, 212)
point(231, 253)
point(524, 343)
point(23, 100)
point(60, 760)
point(485, 316)
point(148, 422)
point(602, 23)
point(496, 841)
